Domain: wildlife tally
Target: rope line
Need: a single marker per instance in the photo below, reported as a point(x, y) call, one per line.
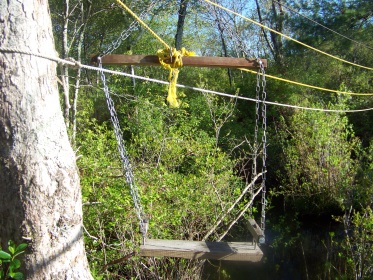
point(74, 64)
point(230, 95)
point(227, 28)
point(70, 61)
point(142, 23)
point(287, 37)
point(323, 26)
point(126, 33)
point(227, 94)
point(168, 53)
point(306, 85)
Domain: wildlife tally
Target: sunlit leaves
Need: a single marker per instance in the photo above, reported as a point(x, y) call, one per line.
point(319, 152)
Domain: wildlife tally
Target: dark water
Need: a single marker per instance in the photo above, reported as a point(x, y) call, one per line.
point(296, 254)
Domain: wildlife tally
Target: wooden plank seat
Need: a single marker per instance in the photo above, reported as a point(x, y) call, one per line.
point(233, 251)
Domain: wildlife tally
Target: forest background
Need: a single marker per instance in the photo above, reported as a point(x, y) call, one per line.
point(191, 163)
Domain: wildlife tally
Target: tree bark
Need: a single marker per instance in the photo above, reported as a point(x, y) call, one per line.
point(278, 26)
point(225, 51)
point(84, 17)
point(40, 200)
point(180, 24)
point(270, 46)
point(64, 68)
point(275, 44)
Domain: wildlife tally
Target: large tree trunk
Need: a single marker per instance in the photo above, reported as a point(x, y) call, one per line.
point(40, 200)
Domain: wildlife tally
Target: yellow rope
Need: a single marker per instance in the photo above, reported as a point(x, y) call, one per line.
point(286, 36)
point(306, 85)
point(171, 59)
point(142, 23)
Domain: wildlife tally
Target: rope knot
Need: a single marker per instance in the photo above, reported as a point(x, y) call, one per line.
point(172, 59)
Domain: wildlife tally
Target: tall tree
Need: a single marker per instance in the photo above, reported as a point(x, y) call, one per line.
point(40, 198)
point(180, 24)
point(276, 22)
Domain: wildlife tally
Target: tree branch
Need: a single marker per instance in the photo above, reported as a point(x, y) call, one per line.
point(242, 212)
point(248, 187)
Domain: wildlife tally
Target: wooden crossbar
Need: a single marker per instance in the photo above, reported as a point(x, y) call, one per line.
point(232, 251)
point(193, 61)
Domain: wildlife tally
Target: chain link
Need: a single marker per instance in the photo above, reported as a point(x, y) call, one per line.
point(123, 36)
point(127, 32)
point(264, 145)
point(126, 165)
point(254, 171)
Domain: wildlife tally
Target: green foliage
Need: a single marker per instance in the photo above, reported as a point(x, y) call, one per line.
point(188, 163)
point(319, 153)
point(10, 263)
point(185, 181)
point(352, 256)
point(359, 244)
point(287, 230)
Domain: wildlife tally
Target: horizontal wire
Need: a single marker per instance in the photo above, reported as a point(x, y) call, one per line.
point(75, 64)
point(323, 26)
point(225, 94)
point(306, 85)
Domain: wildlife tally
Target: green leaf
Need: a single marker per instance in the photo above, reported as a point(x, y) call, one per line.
point(5, 255)
point(15, 264)
point(16, 275)
point(21, 247)
point(11, 247)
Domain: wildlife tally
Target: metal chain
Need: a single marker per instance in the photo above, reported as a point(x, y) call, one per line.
point(255, 146)
point(126, 165)
point(264, 145)
point(126, 33)
point(123, 36)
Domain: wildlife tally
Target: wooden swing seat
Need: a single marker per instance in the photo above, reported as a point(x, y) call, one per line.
point(232, 251)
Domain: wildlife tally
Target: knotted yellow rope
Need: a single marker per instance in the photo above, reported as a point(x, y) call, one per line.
point(172, 59)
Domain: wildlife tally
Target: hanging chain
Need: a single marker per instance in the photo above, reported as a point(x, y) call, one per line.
point(127, 32)
point(264, 146)
point(126, 165)
point(255, 146)
point(123, 36)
